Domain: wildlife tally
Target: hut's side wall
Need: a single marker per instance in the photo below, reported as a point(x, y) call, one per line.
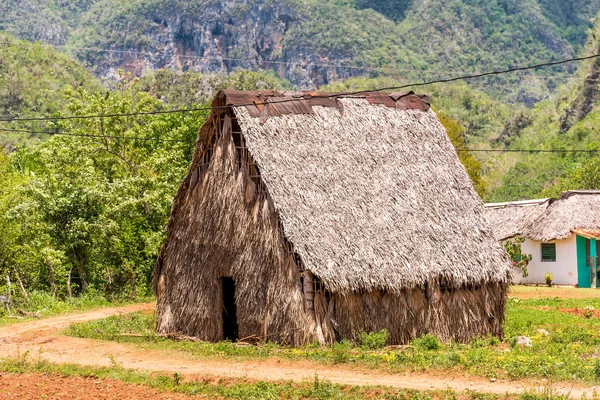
point(221, 228)
point(459, 315)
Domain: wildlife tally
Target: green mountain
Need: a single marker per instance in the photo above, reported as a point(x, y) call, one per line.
point(33, 78)
point(568, 120)
point(312, 43)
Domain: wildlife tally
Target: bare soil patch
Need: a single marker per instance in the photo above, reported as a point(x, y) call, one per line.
point(544, 292)
point(43, 386)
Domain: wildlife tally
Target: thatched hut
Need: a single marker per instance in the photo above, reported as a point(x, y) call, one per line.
point(560, 235)
point(310, 217)
point(510, 219)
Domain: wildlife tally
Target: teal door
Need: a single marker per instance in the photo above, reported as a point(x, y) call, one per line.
point(583, 268)
point(594, 262)
point(587, 267)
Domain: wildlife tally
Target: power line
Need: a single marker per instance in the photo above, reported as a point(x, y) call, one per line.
point(131, 114)
point(333, 95)
point(185, 141)
point(91, 135)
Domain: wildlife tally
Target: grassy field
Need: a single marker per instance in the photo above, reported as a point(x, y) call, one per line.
point(566, 344)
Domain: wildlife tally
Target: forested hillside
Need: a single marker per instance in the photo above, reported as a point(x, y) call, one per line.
point(312, 43)
point(568, 120)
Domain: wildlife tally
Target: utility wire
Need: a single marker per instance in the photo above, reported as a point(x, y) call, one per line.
point(334, 95)
point(131, 114)
point(185, 141)
point(91, 135)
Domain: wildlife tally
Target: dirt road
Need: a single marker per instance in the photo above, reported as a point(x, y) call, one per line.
point(42, 339)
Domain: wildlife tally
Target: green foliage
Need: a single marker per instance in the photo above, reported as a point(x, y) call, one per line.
point(33, 78)
point(548, 278)
point(456, 133)
point(89, 212)
point(373, 340)
point(340, 351)
point(518, 259)
point(427, 342)
point(568, 120)
point(597, 369)
point(581, 176)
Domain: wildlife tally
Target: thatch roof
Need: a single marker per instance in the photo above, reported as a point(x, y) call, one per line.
point(574, 210)
point(509, 219)
point(372, 196)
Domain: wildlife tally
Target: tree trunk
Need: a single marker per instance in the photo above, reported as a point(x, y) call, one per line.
point(82, 275)
point(132, 282)
point(69, 283)
point(9, 299)
point(22, 287)
point(51, 277)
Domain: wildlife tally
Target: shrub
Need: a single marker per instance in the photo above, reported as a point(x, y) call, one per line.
point(373, 340)
point(549, 278)
point(493, 340)
point(588, 311)
point(427, 342)
point(597, 369)
point(341, 351)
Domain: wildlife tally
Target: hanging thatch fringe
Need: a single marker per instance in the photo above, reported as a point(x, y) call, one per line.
point(371, 208)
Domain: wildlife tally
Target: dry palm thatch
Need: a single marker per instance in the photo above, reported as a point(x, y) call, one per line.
point(333, 216)
point(576, 210)
point(509, 219)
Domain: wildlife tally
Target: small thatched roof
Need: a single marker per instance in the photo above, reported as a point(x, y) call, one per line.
point(510, 219)
point(369, 190)
point(576, 210)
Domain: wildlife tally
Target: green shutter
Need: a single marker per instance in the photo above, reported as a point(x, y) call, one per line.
point(548, 252)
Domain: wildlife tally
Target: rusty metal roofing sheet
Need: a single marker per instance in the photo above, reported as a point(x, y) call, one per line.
point(271, 103)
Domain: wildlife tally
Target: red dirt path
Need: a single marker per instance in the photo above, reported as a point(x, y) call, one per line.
point(42, 386)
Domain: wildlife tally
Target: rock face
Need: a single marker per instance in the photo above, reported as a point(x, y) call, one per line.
point(222, 36)
point(308, 42)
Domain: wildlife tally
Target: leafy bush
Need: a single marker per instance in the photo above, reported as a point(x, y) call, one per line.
point(341, 351)
point(548, 278)
point(427, 342)
point(597, 368)
point(373, 340)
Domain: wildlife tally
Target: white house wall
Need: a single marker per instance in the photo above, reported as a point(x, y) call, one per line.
point(564, 270)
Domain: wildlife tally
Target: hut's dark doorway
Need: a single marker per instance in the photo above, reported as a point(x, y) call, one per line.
point(230, 324)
